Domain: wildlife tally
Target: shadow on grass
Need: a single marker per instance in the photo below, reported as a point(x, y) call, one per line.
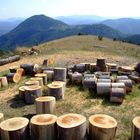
point(29, 116)
point(16, 102)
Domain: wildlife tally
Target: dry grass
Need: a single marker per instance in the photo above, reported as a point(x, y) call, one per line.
point(75, 50)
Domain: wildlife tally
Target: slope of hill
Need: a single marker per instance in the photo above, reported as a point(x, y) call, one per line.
point(135, 39)
point(125, 25)
point(40, 28)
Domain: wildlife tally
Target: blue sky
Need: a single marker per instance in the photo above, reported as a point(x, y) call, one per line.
point(53, 8)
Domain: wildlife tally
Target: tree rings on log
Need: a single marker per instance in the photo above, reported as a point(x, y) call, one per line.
point(43, 127)
point(45, 105)
point(20, 71)
point(60, 74)
point(13, 77)
point(32, 83)
point(135, 134)
point(117, 95)
point(14, 129)
point(40, 80)
point(102, 127)
point(71, 127)
point(3, 81)
point(43, 76)
point(55, 90)
point(103, 88)
point(31, 93)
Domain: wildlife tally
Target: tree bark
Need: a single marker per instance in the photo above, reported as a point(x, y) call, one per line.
point(43, 76)
point(40, 80)
point(60, 74)
point(13, 77)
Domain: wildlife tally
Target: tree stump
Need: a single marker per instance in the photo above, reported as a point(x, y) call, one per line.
point(117, 95)
point(40, 80)
point(43, 76)
point(55, 91)
point(77, 78)
point(71, 127)
point(63, 84)
point(45, 105)
point(60, 74)
point(101, 65)
point(14, 129)
point(135, 134)
point(80, 68)
point(103, 88)
point(31, 93)
point(50, 74)
point(89, 83)
point(28, 69)
point(102, 127)
point(43, 127)
point(128, 84)
point(32, 83)
point(3, 81)
point(22, 92)
point(13, 77)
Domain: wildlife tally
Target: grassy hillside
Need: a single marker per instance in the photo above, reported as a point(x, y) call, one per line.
point(76, 49)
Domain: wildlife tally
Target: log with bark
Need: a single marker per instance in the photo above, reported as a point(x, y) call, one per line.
point(13, 77)
point(89, 83)
point(50, 74)
point(43, 76)
point(101, 65)
point(22, 92)
point(43, 127)
point(77, 78)
point(45, 105)
point(14, 129)
point(71, 127)
point(104, 80)
point(31, 93)
point(55, 91)
point(102, 127)
point(80, 68)
point(3, 81)
point(28, 69)
point(40, 80)
point(135, 133)
point(60, 74)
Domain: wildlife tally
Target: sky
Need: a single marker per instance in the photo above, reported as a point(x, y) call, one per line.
point(54, 8)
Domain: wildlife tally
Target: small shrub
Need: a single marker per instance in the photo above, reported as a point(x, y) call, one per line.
point(100, 38)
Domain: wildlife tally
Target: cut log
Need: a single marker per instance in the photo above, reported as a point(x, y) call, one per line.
point(13, 77)
point(43, 76)
point(3, 81)
point(128, 84)
point(43, 127)
point(14, 129)
point(4, 61)
point(99, 74)
point(121, 78)
point(50, 74)
point(101, 65)
point(1, 117)
point(14, 58)
point(104, 80)
point(104, 77)
point(20, 71)
point(45, 105)
point(55, 91)
point(71, 127)
point(89, 83)
point(22, 92)
point(77, 78)
point(137, 68)
point(31, 93)
point(103, 88)
point(92, 67)
point(126, 69)
point(135, 78)
point(40, 80)
point(13, 69)
point(60, 74)
point(80, 68)
point(87, 66)
point(32, 83)
point(63, 84)
point(28, 69)
point(118, 85)
point(89, 75)
point(117, 95)
point(111, 66)
point(135, 134)
point(102, 127)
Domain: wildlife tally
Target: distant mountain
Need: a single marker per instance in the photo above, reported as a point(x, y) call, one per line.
point(81, 19)
point(135, 39)
point(40, 28)
point(8, 25)
point(124, 25)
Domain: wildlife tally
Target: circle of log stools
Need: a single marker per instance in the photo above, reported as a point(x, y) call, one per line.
point(40, 80)
point(135, 128)
point(71, 126)
point(14, 129)
point(102, 127)
point(32, 83)
point(60, 74)
point(43, 127)
point(13, 77)
point(43, 76)
point(31, 93)
point(55, 90)
point(3, 82)
point(45, 105)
